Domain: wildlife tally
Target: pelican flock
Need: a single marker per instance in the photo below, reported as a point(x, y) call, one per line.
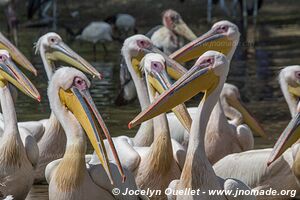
point(195, 149)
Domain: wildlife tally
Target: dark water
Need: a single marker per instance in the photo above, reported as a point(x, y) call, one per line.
point(273, 44)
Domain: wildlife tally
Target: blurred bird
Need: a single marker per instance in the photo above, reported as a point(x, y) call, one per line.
point(171, 35)
point(123, 24)
point(42, 8)
point(97, 32)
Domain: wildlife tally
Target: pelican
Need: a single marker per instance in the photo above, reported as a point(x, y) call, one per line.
point(97, 32)
point(157, 165)
point(238, 137)
point(289, 137)
point(222, 137)
point(22, 61)
point(69, 178)
point(208, 74)
point(289, 81)
point(261, 176)
point(52, 140)
point(16, 55)
point(134, 49)
point(19, 152)
point(276, 168)
point(222, 37)
point(170, 36)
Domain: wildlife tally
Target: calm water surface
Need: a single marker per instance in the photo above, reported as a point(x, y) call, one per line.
point(254, 70)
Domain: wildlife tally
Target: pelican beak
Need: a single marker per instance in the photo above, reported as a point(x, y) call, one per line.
point(62, 52)
point(174, 69)
point(197, 79)
point(16, 55)
point(295, 91)
point(209, 41)
point(289, 136)
point(182, 29)
point(135, 62)
point(11, 73)
point(80, 103)
point(160, 82)
point(247, 117)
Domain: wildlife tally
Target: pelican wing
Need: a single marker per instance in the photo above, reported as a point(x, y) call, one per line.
point(100, 178)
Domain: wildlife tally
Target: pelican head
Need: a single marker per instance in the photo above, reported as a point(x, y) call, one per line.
point(222, 37)
point(158, 81)
point(137, 46)
point(289, 79)
point(208, 72)
point(16, 55)
point(231, 96)
point(9, 72)
point(290, 135)
point(68, 92)
point(173, 21)
point(53, 49)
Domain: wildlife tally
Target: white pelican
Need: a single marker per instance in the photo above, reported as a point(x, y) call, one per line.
point(280, 173)
point(133, 51)
point(289, 80)
point(208, 74)
point(52, 140)
point(222, 137)
point(157, 165)
point(123, 23)
point(70, 178)
point(276, 169)
point(97, 32)
point(170, 36)
point(16, 55)
point(18, 152)
point(22, 61)
point(222, 37)
point(225, 137)
point(240, 137)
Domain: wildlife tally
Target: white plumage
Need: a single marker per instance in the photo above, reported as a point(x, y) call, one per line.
point(289, 78)
point(94, 183)
point(96, 32)
point(251, 168)
point(125, 22)
point(9, 197)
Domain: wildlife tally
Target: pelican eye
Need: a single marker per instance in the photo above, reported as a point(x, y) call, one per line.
point(3, 58)
point(175, 18)
point(52, 40)
point(157, 66)
point(209, 60)
point(143, 44)
point(222, 29)
point(80, 83)
point(297, 74)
